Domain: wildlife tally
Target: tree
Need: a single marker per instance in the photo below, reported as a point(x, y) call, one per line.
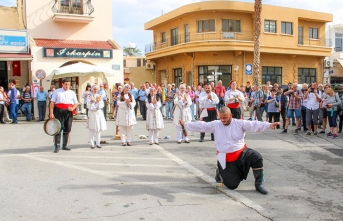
point(131, 51)
point(257, 34)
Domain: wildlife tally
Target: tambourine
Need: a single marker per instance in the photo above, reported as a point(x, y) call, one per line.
point(52, 126)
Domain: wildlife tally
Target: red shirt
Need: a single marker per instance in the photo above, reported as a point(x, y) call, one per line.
point(219, 90)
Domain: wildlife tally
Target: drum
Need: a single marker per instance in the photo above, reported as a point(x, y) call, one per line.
point(52, 126)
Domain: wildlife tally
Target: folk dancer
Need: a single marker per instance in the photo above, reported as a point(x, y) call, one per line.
point(62, 107)
point(154, 118)
point(234, 157)
point(182, 111)
point(96, 118)
point(233, 98)
point(208, 102)
point(125, 118)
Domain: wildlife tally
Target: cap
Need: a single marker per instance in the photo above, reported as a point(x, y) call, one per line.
point(320, 85)
point(173, 84)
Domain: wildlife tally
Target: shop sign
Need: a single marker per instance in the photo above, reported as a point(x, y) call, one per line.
point(76, 53)
point(13, 41)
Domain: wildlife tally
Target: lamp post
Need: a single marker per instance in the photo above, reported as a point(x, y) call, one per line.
point(235, 69)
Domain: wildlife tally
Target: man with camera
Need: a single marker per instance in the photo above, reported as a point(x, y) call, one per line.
point(313, 97)
point(294, 106)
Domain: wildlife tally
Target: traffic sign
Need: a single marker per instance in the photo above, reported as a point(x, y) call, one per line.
point(248, 69)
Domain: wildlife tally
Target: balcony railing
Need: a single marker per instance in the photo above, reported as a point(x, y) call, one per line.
point(200, 37)
point(321, 42)
point(77, 7)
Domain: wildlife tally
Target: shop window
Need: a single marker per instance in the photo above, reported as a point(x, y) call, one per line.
point(287, 28)
point(208, 74)
point(269, 26)
point(313, 33)
point(338, 42)
point(229, 25)
point(307, 75)
point(272, 74)
point(206, 26)
point(177, 76)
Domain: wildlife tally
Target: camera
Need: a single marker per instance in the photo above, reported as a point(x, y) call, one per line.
point(291, 93)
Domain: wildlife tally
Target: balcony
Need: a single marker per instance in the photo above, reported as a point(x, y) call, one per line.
point(320, 42)
point(193, 37)
point(77, 11)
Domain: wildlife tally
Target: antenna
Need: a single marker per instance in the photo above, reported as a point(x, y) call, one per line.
point(162, 12)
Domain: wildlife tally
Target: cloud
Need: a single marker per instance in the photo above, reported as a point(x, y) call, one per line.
point(8, 3)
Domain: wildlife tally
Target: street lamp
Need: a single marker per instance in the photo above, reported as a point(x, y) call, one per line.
point(235, 69)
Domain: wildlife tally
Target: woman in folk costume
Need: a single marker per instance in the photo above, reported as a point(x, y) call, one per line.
point(182, 111)
point(96, 119)
point(154, 120)
point(125, 115)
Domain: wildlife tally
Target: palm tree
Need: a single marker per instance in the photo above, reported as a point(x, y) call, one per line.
point(257, 34)
point(131, 51)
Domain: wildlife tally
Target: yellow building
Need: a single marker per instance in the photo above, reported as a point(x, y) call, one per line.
point(137, 70)
point(211, 41)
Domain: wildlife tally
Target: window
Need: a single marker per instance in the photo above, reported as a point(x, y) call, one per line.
point(124, 63)
point(163, 37)
point(307, 75)
point(206, 26)
point(207, 74)
point(174, 36)
point(272, 74)
point(71, 6)
point(229, 25)
point(338, 42)
point(139, 62)
point(144, 62)
point(186, 33)
point(177, 76)
point(313, 33)
point(270, 26)
point(287, 28)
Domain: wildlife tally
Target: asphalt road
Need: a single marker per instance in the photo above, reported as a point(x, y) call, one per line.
point(167, 182)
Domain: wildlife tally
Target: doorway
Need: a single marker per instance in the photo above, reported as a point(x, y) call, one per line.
point(3, 75)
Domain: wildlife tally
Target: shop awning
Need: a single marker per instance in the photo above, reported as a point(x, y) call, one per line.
point(15, 57)
point(82, 69)
point(340, 61)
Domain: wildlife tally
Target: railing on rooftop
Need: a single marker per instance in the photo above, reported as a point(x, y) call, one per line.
point(200, 37)
point(80, 7)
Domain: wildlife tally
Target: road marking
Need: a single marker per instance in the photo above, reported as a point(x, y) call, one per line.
point(231, 193)
point(124, 164)
point(97, 157)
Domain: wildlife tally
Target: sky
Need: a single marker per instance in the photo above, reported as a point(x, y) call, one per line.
point(129, 16)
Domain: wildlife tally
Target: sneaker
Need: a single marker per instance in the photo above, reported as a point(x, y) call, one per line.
point(335, 136)
point(284, 131)
point(322, 132)
point(296, 132)
point(308, 133)
point(315, 133)
point(329, 134)
point(250, 118)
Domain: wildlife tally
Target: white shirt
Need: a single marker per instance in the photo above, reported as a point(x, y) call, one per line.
point(231, 94)
point(61, 96)
point(204, 102)
point(1, 97)
point(232, 136)
point(312, 102)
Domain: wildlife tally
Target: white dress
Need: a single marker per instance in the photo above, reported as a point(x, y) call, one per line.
point(96, 119)
point(182, 110)
point(125, 114)
point(154, 118)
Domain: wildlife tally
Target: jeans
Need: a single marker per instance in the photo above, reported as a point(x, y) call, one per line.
point(13, 111)
point(221, 103)
point(26, 108)
point(192, 111)
point(169, 110)
point(142, 108)
point(41, 109)
point(332, 119)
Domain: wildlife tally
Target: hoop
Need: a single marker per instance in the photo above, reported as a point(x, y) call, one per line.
point(52, 126)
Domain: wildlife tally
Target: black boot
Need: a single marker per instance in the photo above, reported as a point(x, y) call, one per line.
point(218, 178)
point(258, 174)
point(65, 141)
point(57, 143)
point(202, 135)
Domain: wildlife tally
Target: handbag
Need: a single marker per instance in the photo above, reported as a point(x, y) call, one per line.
point(7, 103)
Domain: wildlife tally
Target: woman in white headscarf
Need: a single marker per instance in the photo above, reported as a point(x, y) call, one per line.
point(182, 111)
point(125, 115)
point(154, 118)
point(96, 119)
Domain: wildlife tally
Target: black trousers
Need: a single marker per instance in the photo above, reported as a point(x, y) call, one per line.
point(283, 115)
point(105, 108)
point(236, 113)
point(238, 170)
point(65, 117)
point(274, 116)
point(142, 108)
point(339, 125)
point(136, 107)
point(2, 108)
point(211, 116)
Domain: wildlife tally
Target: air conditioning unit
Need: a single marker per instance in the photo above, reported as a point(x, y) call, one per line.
point(149, 66)
point(228, 34)
point(327, 63)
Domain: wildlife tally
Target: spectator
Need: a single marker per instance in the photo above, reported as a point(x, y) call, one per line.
point(85, 96)
point(2, 105)
point(284, 105)
point(259, 102)
point(220, 92)
point(134, 92)
point(27, 103)
point(274, 107)
point(197, 103)
point(115, 101)
point(332, 102)
point(169, 102)
point(143, 93)
point(323, 117)
point(103, 93)
point(41, 97)
point(251, 103)
point(13, 107)
point(313, 97)
point(304, 121)
point(191, 94)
